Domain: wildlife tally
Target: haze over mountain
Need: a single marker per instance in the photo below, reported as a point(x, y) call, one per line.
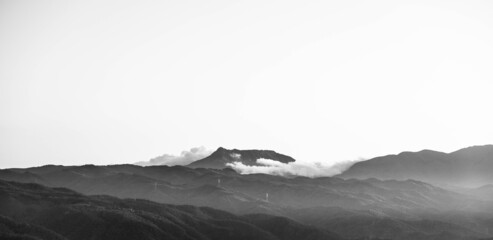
point(248, 162)
point(468, 167)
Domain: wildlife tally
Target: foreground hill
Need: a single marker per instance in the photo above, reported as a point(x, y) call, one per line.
point(31, 211)
point(353, 208)
point(10, 229)
point(222, 156)
point(468, 167)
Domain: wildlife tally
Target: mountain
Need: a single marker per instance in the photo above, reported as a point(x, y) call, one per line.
point(468, 167)
point(222, 156)
point(352, 208)
point(31, 211)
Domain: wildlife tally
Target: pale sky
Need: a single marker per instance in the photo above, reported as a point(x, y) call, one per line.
point(108, 82)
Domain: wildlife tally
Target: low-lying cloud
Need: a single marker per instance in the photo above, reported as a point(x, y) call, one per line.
point(272, 167)
point(185, 158)
point(236, 156)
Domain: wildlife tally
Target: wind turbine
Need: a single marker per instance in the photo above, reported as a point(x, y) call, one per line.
point(156, 185)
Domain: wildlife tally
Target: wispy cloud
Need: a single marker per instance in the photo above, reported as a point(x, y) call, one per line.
point(315, 169)
point(186, 157)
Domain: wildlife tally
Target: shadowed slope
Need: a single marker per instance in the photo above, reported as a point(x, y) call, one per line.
point(75, 216)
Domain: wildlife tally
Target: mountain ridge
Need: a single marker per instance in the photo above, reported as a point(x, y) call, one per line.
point(466, 167)
point(222, 156)
point(58, 213)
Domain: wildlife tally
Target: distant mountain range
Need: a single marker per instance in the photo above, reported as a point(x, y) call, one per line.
point(31, 211)
point(221, 157)
point(400, 201)
point(468, 167)
point(351, 208)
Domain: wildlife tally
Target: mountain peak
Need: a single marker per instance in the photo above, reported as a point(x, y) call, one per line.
point(222, 156)
point(220, 151)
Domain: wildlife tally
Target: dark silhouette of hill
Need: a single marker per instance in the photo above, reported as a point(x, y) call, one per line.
point(50, 213)
point(468, 167)
point(10, 230)
point(222, 156)
point(353, 208)
point(370, 224)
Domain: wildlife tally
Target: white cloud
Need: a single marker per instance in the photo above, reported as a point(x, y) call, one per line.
point(315, 169)
point(186, 157)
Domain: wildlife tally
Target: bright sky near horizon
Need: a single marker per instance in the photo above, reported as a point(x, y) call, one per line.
point(107, 82)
